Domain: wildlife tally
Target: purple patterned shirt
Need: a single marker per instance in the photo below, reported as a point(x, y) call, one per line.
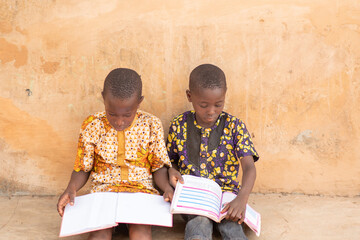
point(213, 152)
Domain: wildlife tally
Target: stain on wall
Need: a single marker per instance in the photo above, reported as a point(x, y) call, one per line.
point(31, 152)
point(10, 52)
point(293, 70)
point(50, 67)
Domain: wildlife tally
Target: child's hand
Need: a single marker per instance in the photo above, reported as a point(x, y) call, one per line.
point(67, 197)
point(174, 176)
point(236, 209)
point(168, 194)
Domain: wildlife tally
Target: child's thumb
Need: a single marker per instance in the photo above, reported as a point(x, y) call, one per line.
point(180, 178)
point(72, 198)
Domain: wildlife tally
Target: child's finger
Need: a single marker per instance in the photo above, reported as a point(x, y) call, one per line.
point(233, 215)
point(171, 195)
point(72, 199)
point(226, 208)
point(180, 178)
point(60, 210)
point(61, 205)
point(168, 196)
point(241, 220)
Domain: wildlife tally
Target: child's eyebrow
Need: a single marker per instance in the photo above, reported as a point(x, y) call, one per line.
point(215, 102)
point(127, 112)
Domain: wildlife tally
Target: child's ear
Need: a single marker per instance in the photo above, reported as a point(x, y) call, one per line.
point(140, 100)
point(188, 95)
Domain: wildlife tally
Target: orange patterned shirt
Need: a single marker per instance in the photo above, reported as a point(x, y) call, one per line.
point(122, 161)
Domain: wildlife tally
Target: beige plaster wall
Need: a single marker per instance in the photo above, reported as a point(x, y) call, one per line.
point(293, 70)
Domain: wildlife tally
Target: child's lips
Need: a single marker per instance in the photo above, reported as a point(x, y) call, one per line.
point(210, 119)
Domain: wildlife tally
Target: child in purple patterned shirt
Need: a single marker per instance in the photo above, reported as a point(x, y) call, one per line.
point(210, 143)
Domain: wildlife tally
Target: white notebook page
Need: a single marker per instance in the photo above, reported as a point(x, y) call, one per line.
point(89, 211)
point(143, 208)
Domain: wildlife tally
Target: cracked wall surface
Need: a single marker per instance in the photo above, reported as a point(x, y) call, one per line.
point(293, 71)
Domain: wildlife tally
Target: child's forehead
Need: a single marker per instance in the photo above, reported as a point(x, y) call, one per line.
point(208, 95)
point(208, 92)
point(121, 103)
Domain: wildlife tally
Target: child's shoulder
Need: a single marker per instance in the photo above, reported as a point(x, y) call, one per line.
point(181, 117)
point(94, 119)
point(148, 118)
point(233, 122)
point(230, 118)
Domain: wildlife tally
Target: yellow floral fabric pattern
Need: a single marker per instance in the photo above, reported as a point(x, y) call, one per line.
point(145, 152)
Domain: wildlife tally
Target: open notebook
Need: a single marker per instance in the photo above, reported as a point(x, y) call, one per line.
point(106, 209)
point(202, 196)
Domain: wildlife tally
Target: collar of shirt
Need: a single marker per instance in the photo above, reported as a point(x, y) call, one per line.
point(207, 129)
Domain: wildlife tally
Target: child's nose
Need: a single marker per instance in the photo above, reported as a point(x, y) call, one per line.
point(211, 111)
point(119, 121)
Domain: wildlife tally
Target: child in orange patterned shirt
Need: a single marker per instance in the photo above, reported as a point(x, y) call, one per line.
point(122, 149)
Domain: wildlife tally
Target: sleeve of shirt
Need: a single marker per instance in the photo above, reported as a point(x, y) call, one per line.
point(157, 151)
point(171, 145)
point(85, 152)
point(243, 144)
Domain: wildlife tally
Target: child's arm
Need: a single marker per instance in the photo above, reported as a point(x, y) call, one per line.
point(236, 208)
point(162, 181)
point(174, 174)
point(77, 181)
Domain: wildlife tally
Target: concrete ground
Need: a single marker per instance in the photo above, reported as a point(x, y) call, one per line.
point(283, 217)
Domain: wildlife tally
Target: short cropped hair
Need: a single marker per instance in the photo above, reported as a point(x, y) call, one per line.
point(207, 76)
point(123, 83)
